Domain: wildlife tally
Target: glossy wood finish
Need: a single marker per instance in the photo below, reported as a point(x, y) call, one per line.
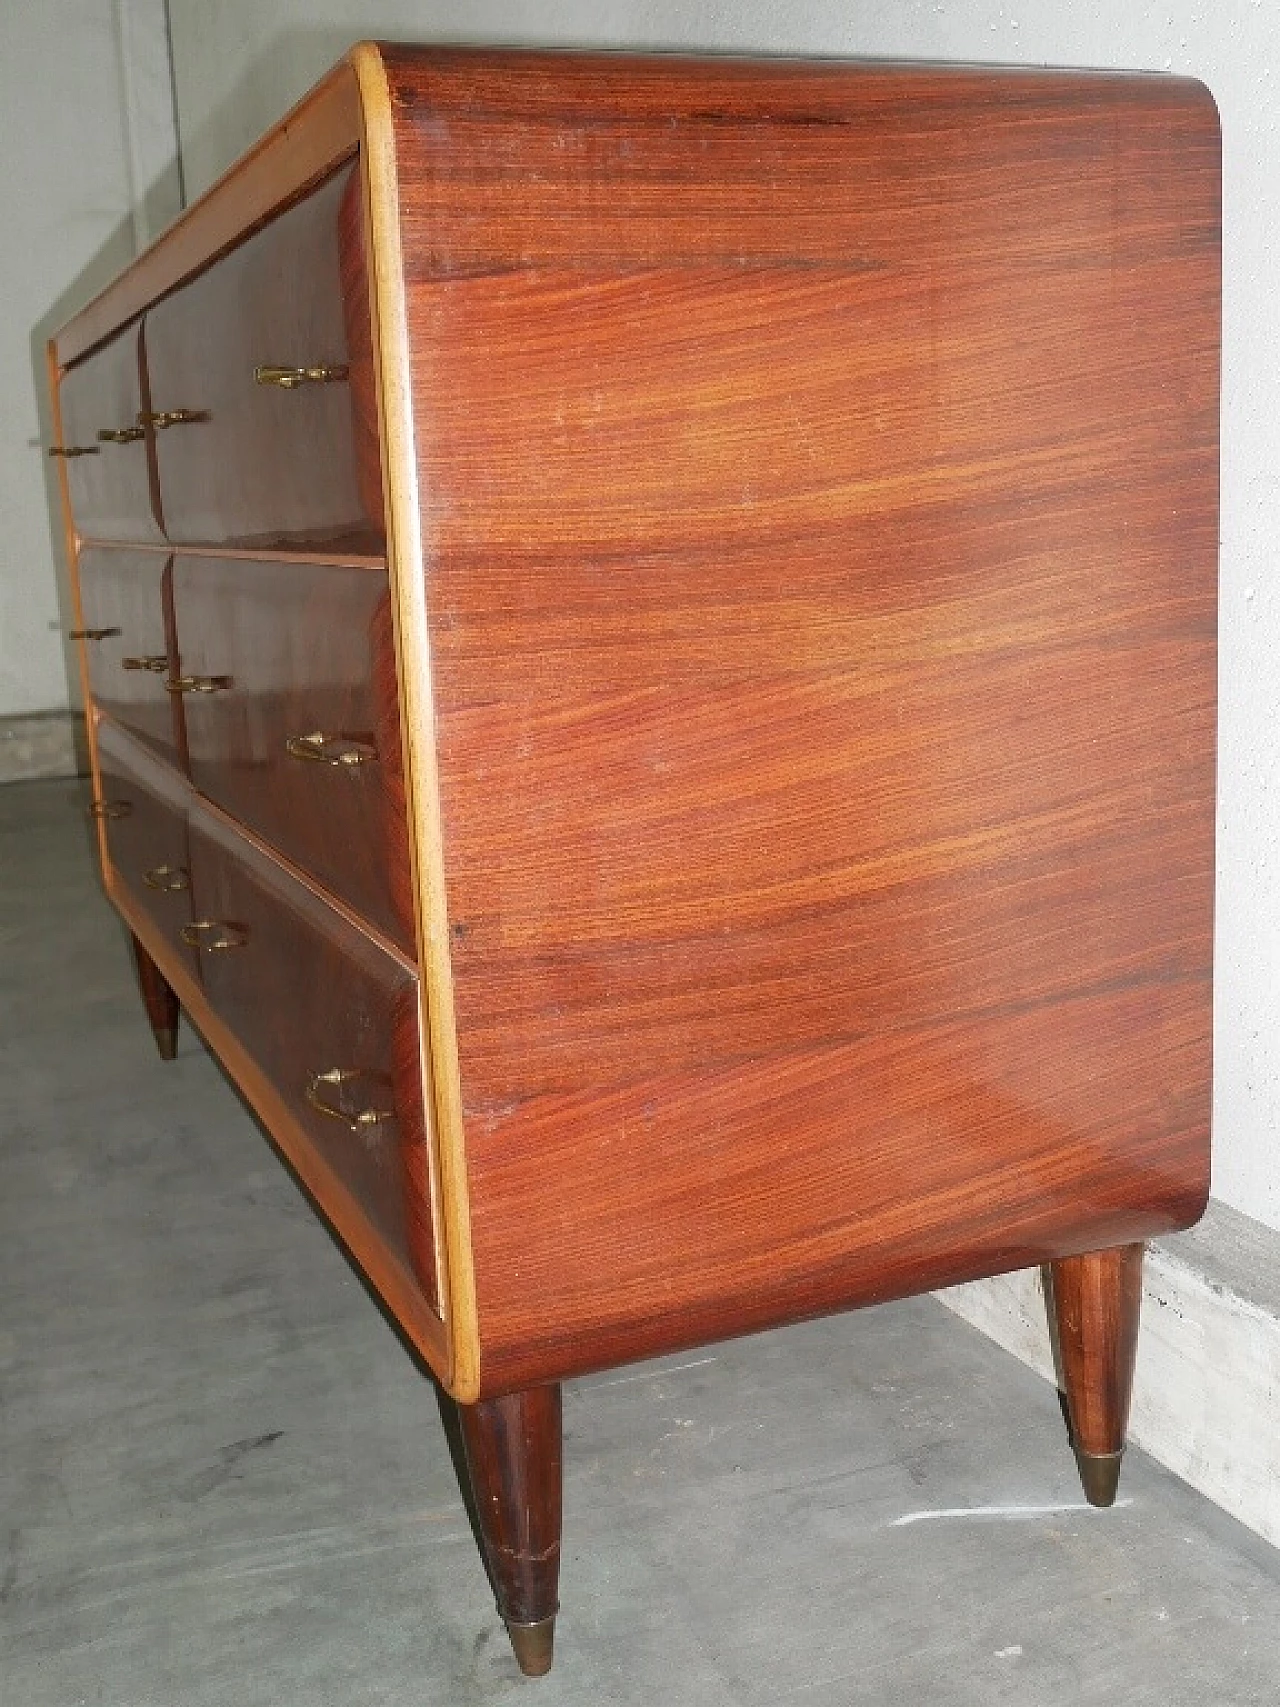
point(112, 490)
point(514, 1458)
point(1097, 1301)
point(126, 600)
point(799, 490)
point(302, 645)
point(357, 311)
point(146, 842)
point(259, 463)
point(384, 273)
point(308, 995)
point(159, 999)
point(833, 631)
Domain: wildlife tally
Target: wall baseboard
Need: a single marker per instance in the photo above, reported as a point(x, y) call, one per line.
point(1208, 1380)
point(46, 744)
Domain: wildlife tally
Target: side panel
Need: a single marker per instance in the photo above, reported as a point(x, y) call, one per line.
point(820, 542)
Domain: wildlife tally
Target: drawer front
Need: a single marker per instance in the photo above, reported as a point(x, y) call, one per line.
point(301, 741)
point(143, 808)
point(110, 473)
point(331, 1021)
point(246, 461)
point(126, 598)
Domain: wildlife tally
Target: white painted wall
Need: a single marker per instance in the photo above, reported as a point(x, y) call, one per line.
point(83, 175)
point(240, 63)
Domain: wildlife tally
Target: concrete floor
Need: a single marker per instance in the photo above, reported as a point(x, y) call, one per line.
point(223, 1481)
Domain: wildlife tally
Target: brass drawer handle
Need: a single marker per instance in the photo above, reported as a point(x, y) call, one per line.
point(92, 633)
point(121, 435)
point(156, 662)
point(74, 450)
point(199, 684)
point(289, 378)
point(323, 749)
point(357, 1119)
point(110, 808)
point(197, 935)
point(162, 418)
point(167, 877)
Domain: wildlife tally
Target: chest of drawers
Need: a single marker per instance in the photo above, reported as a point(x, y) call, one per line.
point(649, 634)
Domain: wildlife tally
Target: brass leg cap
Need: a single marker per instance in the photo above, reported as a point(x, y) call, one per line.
point(167, 1041)
point(1100, 1473)
point(534, 1645)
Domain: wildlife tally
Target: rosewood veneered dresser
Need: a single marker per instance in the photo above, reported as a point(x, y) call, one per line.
point(649, 633)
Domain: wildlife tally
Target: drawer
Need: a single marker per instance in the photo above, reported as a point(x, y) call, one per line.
point(110, 471)
point(143, 807)
point(244, 461)
point(327, 1016)
point(126, 598)
point(302, 742)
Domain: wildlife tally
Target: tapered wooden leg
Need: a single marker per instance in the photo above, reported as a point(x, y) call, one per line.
point(513, 1450)
point(1096, 1304)
point(159, 1000)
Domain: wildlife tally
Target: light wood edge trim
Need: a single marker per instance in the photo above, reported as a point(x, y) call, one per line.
point(71, 546)
point(308, 143)
point(341, 1211)
point(413, 649)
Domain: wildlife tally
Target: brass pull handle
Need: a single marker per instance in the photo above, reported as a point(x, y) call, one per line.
point(167, 877)
point(110, 808)
point(198, 934)
point(91, 633)
point(199, 684)
point(289, 378)
point(156, 662)
point(355, 1119)
point(347, 750)
point(162, 418)
point(74, 450)
point(121, 435)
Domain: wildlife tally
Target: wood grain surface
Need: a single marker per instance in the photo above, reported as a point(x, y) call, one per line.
point(260, 463)
point(820, 556)
point(308, 994)
point(801, 497)
point(383, 273)
point(126, 598)
point(514, 1457)
point(146, 846)
point(112, 488)
point(302, 644)
point(357, 314)
point(1097, 1305)
point(326, 1187)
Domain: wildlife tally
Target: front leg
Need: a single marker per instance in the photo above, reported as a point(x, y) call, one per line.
point(1096, 1303)
point(159, 1000)
point(513, 1450)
